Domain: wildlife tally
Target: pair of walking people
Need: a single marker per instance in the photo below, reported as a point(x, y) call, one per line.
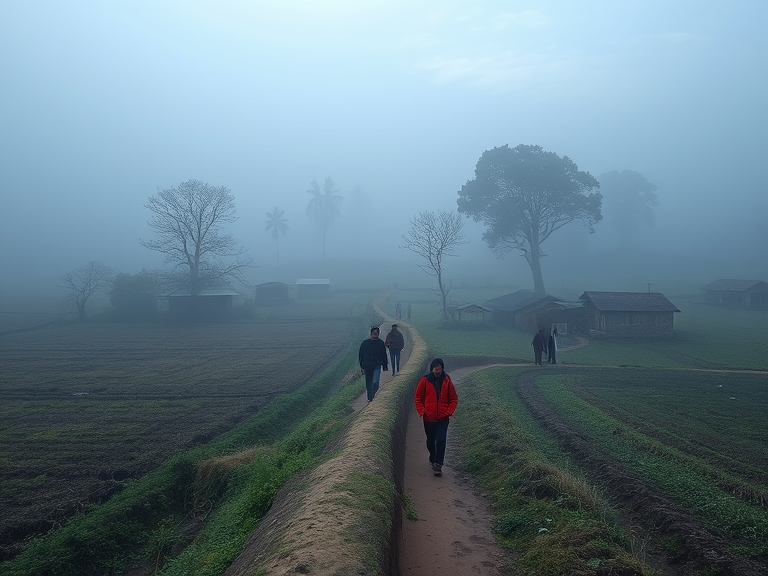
point(372, 356)
point(435, 396)
point(542, 344)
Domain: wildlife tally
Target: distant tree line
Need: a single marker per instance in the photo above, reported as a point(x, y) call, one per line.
point(522, 195)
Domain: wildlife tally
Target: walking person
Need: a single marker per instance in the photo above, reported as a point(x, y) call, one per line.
point(538, 344)
point(408, 312)
point(436, 401)
point(395, 342)
point(372, 356)
point(552, 346)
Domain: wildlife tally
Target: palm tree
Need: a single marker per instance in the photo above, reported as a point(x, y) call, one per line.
point(323, 207)
point(277, 225)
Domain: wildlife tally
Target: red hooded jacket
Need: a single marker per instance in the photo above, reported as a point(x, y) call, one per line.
point(427, 404)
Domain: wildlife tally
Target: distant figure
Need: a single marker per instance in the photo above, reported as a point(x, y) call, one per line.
point(552, 346)
point(395, 342)
point(372, 356)
point(398, 311)
point(408, 312)
point(538, 344)
point(436, 401)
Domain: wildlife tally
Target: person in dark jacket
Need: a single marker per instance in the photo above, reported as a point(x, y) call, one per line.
point(436, 401)
point(552, 347)
point(395, 342)
point(539, 344)
point(372, 356)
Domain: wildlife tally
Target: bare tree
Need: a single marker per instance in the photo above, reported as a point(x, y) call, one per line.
point(189, 220)
point(433, 236)
point(84, 282)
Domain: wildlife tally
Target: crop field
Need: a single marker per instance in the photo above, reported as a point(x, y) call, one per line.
point(671, 433)
point(85, 408)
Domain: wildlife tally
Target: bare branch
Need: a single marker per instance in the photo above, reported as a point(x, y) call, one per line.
point(84, 282)
point(433, 236)
point(188, 221)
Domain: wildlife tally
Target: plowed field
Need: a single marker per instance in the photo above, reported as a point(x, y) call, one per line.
point(85, 408)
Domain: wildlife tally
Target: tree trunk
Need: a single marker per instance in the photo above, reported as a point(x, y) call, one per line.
point(81, 308)
point(443, 295)
point(538, 280)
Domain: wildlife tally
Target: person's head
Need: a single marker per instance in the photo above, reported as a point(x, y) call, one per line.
point(437, 367)
point(394, 327)
point(374, 332)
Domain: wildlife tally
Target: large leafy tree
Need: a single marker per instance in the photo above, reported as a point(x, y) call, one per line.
point(629, 200)
point(523, 195)
point(84, 282)
point(189, 221)
point(277, 226)
point(433, 236)
point(323, 207)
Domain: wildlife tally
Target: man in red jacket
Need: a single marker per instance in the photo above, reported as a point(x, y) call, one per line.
point(436, 401)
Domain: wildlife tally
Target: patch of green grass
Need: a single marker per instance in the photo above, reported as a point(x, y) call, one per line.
point(700, 487)
point(548, 517)
point(409, 507)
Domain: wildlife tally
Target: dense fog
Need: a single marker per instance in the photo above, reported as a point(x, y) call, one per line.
point(105, 103)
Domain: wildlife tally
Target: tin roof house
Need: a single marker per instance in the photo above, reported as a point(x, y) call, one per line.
point(746, 293)
point(629, 314)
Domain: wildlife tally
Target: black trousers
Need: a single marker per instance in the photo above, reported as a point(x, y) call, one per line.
point(437, 435)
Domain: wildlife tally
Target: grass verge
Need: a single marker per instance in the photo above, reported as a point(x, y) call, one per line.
point(549, 518)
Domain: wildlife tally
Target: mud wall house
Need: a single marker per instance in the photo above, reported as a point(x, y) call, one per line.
point(216, 304)
point(746, 293)
point(272, 293)
point(313, 288)
point(630, 314)
point(518, 309)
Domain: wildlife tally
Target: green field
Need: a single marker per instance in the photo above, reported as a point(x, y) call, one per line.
point(629, 457)
point(625, 449)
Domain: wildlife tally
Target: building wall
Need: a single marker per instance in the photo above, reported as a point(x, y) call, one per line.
point(634, 324)
point(732, 298)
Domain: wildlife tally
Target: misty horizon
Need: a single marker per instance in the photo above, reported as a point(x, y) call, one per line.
point(104, 104)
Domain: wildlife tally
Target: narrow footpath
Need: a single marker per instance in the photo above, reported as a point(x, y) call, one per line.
point(453, 533)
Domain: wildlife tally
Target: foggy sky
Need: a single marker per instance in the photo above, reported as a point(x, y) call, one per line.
point(104, 103)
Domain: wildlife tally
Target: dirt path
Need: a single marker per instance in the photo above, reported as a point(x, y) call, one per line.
point(453, 533)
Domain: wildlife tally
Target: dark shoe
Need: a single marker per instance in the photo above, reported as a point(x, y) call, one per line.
point(437, 470)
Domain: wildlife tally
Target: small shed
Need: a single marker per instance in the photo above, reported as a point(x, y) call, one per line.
point(210, 304)
point(630, 314)
point(474, 311)
point(747, 293)
point(313, 288)
point(518, 309)
point(272, 292)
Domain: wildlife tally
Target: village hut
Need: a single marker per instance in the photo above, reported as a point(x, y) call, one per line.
point(629, 314)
